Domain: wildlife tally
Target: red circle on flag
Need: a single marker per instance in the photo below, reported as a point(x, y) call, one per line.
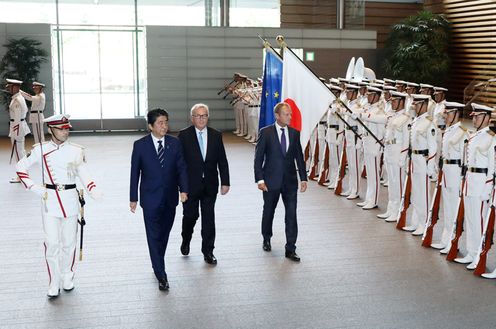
point(296, 114)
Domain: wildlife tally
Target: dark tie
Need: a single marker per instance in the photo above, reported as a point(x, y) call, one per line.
point(283, 142)
point(161, 153)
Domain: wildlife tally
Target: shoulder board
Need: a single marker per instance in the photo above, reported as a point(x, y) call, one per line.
point(38, 144)
point(463, 128)
point(491, 133)
point(76, 145)
point(429, 118)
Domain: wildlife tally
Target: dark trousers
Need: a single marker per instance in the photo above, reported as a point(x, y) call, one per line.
point(206, 204)
point(270, 203)
point(158, 224)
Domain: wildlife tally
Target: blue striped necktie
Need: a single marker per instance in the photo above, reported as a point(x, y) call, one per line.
point(161, 153)
point(200, 141)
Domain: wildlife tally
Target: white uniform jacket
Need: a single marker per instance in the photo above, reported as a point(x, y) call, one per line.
point(17, 112)
point(61, 164)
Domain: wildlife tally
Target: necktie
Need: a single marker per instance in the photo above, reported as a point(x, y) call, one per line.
point(283, 142)
point(161, 153)
point(200, 141)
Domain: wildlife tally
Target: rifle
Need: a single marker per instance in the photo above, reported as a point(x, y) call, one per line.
point(360, 122)
point(315, 159)
point(226, 86)
point(325, 167)
point(342, 170)
point(460, 216)
point(487, 239)
point(407, 191)
point(433, 216)
point(81, 222)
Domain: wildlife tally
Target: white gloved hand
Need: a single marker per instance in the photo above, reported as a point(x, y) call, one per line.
point(38, 190)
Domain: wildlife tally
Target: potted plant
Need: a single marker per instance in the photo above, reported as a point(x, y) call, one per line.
point(416, 49)
point(22, 61)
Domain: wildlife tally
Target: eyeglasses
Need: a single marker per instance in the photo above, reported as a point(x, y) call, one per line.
point(202, 116)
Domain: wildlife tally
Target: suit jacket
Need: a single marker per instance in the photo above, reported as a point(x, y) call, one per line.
point(203, 175)
point(157, 183)
point(275, 168)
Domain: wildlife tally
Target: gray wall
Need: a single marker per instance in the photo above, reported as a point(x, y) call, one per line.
point(40, 32)
point(187, 65)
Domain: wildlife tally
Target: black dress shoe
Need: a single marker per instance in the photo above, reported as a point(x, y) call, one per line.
point(266, 245)
point(185, 248)
point(163, 284)
point(293, 256)
point(210, 259)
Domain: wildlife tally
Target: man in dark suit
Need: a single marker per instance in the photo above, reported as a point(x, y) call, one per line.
point(158, 161)
point(277, 149)
point(206, 158)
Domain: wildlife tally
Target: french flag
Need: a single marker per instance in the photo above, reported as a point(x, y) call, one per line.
point(307, 96)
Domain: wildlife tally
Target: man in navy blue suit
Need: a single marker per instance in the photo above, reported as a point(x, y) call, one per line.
point(277, 150)
point(157, 160)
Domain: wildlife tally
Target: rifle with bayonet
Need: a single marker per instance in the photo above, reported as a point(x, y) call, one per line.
point(487, 238)
point(433, 216)
point(460, 215)
point(407, 189)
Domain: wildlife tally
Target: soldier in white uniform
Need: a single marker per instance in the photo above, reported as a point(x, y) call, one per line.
point(424, 149)
point(371, 148)
point(18, 126)
point(452, 150)
point(61, 162)
point(400, 85)
point(353, 144)
point(410, 89)
point(396, 141)
point(334, 138)
point(36, 112)
point(479, 181)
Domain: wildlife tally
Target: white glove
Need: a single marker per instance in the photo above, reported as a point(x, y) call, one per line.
point(96, 195)
point(38, 190)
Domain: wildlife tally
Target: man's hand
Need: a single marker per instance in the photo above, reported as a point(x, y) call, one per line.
point(132, 206)
point(184, 197)
point(224, 189)
point(263, 187)
point(303, 186)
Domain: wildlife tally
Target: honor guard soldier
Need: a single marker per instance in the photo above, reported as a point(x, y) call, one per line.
point(353, 144)
point(479, 181)
point(400, 85)
point(61, 162)
point(375, 120)
point(36, 112)
point(396, 139)
point(18, 126)
point(424, 149)
point(334, 138)
point(410, 89)
point(451, 152)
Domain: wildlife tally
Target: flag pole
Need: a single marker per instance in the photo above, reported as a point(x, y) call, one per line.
point(267, 45)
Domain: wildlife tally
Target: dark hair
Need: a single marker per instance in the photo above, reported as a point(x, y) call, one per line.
point(152, 115)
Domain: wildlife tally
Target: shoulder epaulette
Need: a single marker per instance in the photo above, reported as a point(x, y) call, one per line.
point(428, 117)
point(490, 132)
point(463, 128)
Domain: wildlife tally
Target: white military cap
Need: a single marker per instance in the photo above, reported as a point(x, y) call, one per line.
point(362, 83)
point(480, 108)
point(333, 87)
point(376, 85)
point(334, 80)
point(379, 81)
point(425, 85)
point(374, 89)
point(412, 84)
point(365, 80)
point(421, 97)
point(397, 94)
point(453, 106)
point(387, 80)
point(439, 89)
point(389, 88)
point(36, 83)
point(343, 80)
point(400, 82)
point(58, 121)
point(13, 82)
point(349, 86)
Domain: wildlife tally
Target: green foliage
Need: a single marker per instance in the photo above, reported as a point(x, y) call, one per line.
point(22, 61)
point(416, 49)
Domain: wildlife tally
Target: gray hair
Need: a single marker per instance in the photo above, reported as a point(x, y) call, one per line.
point(197, 106)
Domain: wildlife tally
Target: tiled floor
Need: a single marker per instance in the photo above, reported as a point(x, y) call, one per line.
point(356, 271)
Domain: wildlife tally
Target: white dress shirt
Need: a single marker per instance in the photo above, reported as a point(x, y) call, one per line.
point(279, 133)
point(155, 142)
